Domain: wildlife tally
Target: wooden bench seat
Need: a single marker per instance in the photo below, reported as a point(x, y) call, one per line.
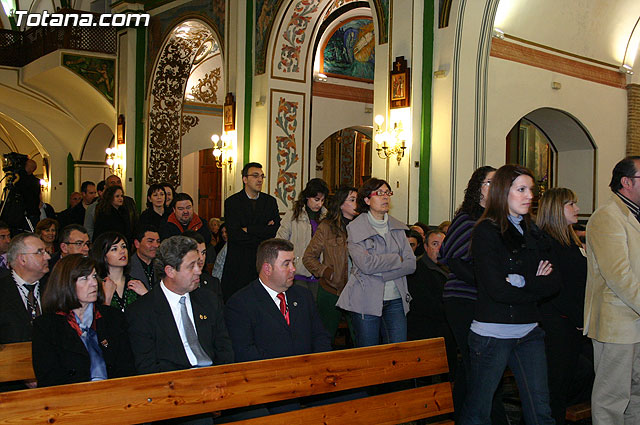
point(189, 392)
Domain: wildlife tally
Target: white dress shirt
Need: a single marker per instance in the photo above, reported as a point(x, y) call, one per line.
point(24, 292)
point(274, 295)
point(174, 303)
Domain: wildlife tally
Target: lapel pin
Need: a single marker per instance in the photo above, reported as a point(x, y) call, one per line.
point(203, 317)
point(104, 343)
point(295, 303)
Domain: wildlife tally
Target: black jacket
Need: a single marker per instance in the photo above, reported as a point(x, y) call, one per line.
point(60, 357)
point(15, 320)
point(426, 315)
point(115, 220)
point(497, 255)
point(240, 264)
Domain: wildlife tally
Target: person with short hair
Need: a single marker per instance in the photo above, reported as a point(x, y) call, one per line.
point(5, 240)
point(74, 240)
point(206, 280)
point(612, 299)
point(156, 213)
point(141, 265)
point(271, 317)
point(251, 217)
point(184, 218)
point(20, 290)
point(376, 293)
point(178, 325)
point(77, 339)
point(75, 213)
point(416, 242)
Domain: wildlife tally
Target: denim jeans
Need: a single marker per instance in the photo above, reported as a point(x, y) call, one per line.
point(526, 358)
point(390, 327)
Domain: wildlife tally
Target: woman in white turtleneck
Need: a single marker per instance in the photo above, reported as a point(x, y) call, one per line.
point(376, 292)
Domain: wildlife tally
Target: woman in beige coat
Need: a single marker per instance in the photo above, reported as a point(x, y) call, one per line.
point(300, 223)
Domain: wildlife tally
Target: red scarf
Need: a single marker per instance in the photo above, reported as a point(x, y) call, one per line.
point(71, 319)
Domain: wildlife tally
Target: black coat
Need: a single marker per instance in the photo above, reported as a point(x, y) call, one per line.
point(113, 220)
point(495, 256)
point(240, 264)
point(259, 331)
point(154, 336)
point(149, 216)
point(426, 316)
point(60, 357)
point(15, 320)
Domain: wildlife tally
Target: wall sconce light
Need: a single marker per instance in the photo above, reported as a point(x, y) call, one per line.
point(223, 149)
point(115, 160)
point(389, 142)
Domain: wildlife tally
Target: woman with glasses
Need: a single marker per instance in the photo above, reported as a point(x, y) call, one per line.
point(327, 256)
point(300, 223)
point(376, 293)
point(78, 339)
point(460, 290)
point(111, 255)
point(511, 258)
point(562, 314)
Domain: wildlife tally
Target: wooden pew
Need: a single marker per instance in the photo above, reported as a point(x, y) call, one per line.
point(175, 394)
point(15, 362)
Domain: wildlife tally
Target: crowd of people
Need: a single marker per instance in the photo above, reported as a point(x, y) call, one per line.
point(103, 291)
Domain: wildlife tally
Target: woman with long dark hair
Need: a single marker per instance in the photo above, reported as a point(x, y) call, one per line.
point(330, 243)
point(112, 214)
point(78, 339)
point(460, 290)
point(562, 314)
point(513, 271)
point(300, 223)
point(111, 255)
point(376, 293)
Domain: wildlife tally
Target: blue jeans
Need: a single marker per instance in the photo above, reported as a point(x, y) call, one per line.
point(390, 327)
point(526, 358)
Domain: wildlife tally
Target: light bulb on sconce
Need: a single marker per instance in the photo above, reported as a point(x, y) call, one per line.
point(389, 142)
point(222, 149)
point(115, 160)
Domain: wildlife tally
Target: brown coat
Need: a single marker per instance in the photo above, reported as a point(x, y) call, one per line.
point(332, 271)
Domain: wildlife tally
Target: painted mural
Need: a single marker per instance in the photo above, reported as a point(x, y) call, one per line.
point(287, 133)
point(294, 35)
point(350, 50)
point(99, 72)
point(265, 16)
point(382, 9)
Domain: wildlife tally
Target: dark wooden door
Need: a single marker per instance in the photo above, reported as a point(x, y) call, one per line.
point(209, 186)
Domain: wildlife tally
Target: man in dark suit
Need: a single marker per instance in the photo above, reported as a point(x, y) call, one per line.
point(251, 217)
point(75, 213)
point(141, 265)
point(176, 325)
point(21, 289)
point(270, 317)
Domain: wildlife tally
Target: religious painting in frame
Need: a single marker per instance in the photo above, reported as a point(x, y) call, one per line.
point(229, 113)
point(399, 84)
point(286, 146)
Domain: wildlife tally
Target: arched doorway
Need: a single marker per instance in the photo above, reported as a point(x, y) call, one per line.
point(344, 158)
point(559, 151)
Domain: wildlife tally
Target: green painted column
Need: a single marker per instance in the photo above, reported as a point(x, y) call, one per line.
point(141, 33)
point(248, 81)
point(425, 133)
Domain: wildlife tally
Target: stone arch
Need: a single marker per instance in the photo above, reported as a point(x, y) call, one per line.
point(99, 138)
point(166, 95)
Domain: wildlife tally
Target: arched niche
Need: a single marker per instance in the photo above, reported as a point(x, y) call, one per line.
point(344, 157)
point(573, 156)
point(184, 48)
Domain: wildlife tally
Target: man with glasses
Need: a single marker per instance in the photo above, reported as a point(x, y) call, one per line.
point(612, 298)
point(75, 240)
point(251, 217)
point(21, 290)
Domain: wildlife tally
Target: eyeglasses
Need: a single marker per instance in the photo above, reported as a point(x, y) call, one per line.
point(41, 251)
point(256, 176)
point(80, 243)
point(381, 192)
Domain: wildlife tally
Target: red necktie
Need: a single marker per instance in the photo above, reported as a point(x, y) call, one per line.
point(283, 307)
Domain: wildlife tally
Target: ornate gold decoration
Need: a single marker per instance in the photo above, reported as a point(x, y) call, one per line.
point(205, 90)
